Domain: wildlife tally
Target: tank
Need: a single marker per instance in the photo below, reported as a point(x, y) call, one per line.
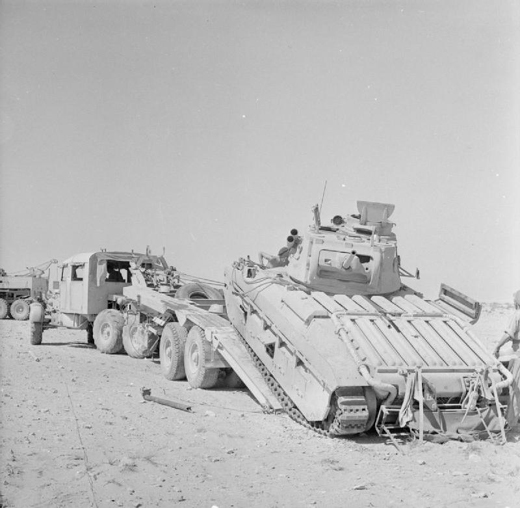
point(346, 345)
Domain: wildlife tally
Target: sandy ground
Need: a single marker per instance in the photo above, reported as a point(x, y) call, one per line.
point(75, 432)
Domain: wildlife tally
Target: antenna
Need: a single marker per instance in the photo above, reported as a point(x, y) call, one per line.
point(323, 195)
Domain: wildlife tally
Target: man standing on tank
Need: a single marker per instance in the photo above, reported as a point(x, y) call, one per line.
point(512, 333)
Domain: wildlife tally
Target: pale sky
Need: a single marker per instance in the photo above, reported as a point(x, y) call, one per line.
point(210, 127)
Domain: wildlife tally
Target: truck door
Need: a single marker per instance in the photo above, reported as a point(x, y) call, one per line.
point(71, 288)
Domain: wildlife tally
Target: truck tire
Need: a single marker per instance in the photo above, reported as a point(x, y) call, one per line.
point(199, 376)
point(198, 291)
point(171, 351)
point(137, 341)
point(4, 309)
point(20, 310)
point(36, 333)
point(108, 331)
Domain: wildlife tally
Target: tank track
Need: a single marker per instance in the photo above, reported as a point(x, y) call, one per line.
point(340, 413)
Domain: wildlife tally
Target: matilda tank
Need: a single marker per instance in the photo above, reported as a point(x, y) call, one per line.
point(346, 345)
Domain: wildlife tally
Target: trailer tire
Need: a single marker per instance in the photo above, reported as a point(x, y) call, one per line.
point(232, 380)
point(199, 376)
point(20, 310)
point(137, 342)
point(108, 331)
point(4, 309)
point(171, 351)
point(198, 291)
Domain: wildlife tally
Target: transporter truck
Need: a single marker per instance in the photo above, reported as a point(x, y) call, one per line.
point(138, 304)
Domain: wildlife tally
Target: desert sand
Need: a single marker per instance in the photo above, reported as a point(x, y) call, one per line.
point(76, 432)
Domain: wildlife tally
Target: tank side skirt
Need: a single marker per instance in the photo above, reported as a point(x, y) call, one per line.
point(290, 408)
point(347, 412)
point(252, 307)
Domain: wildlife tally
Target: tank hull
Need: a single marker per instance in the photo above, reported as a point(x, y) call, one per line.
point(339, 358)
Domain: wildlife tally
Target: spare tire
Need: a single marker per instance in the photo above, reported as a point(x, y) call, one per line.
point(198, 291)
point(108, 331)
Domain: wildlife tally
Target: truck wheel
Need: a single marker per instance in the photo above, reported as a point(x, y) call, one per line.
point(36, 333)
point(171, 352)
point(20, 310)
point(198, 291)
point(137, 341)
point(108, 331)
point(199, 376)
point(4, 309)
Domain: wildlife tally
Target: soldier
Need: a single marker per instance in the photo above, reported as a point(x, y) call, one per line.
point(512, 332)
point(282, 259)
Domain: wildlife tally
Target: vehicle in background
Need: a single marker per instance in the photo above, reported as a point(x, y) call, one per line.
point(18, 291)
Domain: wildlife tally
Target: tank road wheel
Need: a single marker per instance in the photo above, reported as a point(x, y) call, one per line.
point(171, 351)
point(4, 309)
point(36, 333)
point(198, 291)
point(137, 341)
point(20, 310)
point(108, 331)
point(199, 376)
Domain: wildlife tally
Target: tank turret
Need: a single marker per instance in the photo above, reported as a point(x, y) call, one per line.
point(357, 254)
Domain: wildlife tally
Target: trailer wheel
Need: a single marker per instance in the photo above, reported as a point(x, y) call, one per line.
point(4, 309)
point(171, 351)
point(108, 331)
point(198, 291)
point(199, 376)
point(232, 380)
point(20, 310)
point(137, 341)
point(36, 333)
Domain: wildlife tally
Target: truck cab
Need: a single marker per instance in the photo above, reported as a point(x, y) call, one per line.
point(87, 283)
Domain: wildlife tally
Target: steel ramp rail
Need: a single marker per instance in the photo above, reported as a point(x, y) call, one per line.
point(233, 350)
